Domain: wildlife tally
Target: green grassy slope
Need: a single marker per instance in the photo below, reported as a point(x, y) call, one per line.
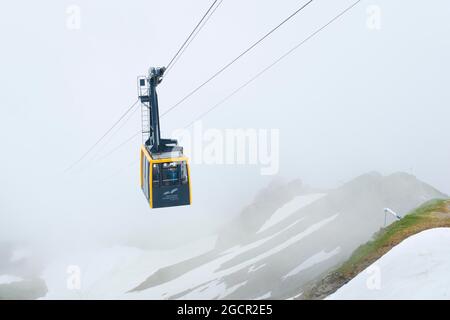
point(433, 214)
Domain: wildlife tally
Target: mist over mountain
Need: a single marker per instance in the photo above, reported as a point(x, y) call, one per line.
point(288, 236)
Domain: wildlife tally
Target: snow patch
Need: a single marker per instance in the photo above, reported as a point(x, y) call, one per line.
point(7, 279)
point(417, 268)
point(232, 289)
point(283, 245)
point(253, 268)
point(296, 296)
point(264, 296)
point(109, 273)
point(313, 260)
point(289, 208)
point(211, 274)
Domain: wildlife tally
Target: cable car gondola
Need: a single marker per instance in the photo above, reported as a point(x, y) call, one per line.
point(164, 170)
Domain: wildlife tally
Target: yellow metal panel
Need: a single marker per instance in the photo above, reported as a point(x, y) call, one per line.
point(141, 178)
point(144, 150)
point(179, 159)
point(152, 161)
point(189, 181)
point(150, 183)
point(144, 153)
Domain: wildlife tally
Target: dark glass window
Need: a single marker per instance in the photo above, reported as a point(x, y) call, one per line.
point(156, 174)
point(184, 173)
point(170, 173)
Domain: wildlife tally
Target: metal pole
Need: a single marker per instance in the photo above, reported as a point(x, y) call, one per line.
point(155, 79)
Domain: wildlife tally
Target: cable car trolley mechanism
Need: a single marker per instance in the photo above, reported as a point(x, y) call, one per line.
point(164, 170)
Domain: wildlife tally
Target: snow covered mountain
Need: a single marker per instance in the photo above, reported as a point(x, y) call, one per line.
point(289, 236)
point(417, 268)
point(19, 274)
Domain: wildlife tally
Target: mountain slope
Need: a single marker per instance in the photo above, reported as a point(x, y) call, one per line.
point(433, 214)
point(417, 268)
point(275, 254)
point(289, 236)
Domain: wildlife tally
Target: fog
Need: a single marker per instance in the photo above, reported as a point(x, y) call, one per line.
point(350, 101)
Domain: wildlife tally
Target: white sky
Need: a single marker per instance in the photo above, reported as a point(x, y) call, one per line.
point(351, 100)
